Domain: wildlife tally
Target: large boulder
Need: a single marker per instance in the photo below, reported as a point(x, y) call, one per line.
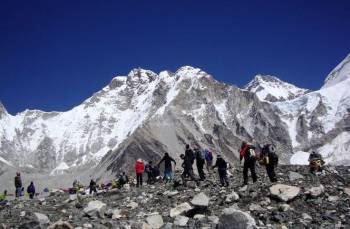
point(179, 209)
point(284, 192)
point(200, 200)
point(235, 219)
point(95, 207)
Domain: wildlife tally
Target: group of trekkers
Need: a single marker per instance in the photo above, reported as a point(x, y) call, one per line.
point(19, 190)
point(248, 153)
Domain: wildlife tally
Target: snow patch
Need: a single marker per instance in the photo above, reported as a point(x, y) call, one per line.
point(59, 169)
point(300, 158)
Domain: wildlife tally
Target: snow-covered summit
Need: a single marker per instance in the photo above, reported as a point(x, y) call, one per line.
point(272, 89)
point(339, 73)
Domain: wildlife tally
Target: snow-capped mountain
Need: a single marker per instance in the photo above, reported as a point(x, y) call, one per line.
point(320, 120)
point(272, 89)
point(145, 114)
point(169, 109)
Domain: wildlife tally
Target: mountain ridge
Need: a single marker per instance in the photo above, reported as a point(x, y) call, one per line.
point(160, 113)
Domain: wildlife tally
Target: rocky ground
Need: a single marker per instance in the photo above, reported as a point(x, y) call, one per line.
point(298, 200)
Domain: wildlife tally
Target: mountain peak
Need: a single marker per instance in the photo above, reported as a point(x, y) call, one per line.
point(189, 71)
point(272, 89)
point(340, 73)
point(3, 110)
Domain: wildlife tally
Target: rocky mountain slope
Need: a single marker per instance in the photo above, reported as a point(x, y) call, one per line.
point(146, 114)
point(299, 200)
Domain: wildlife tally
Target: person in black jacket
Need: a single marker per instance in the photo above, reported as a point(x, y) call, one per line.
point(168, 169)
point(188, 159)
point(93, 187)
point(200, 161)
point(222, 170)
point(270, 160)
point(151, 179)
point(18, 184)
point(31, 190)
point(248, 153)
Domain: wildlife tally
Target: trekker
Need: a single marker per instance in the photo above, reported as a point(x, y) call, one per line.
point(270, 160)
point(188, 159)
point(209, 159)
point(247, 152)
point(189, 154)
point(149, 170)
point(18, 184)
point(123, 179)
point(140, 169)
point(222, 170)
point(168, 169)
point(315, 162)
point(3, 200)
point(31, 190)
point(200, 161)
point(92, 187)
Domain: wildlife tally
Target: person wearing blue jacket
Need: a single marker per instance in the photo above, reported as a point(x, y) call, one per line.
point(31, 190)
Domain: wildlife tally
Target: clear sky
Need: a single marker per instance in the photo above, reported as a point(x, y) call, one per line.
point(54, 54)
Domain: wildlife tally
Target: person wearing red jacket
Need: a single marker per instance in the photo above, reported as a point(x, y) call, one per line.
point(140, 169)
point(248, 153)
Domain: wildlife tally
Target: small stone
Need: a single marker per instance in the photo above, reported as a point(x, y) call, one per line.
point(333, 198)
point(214, 219)
point(87, 225)
point(61, 225)
point(179, 209)
point(95, 207)
point(243, 189)
point(72, 197)
point(306, 217)
point(155, 221)
point(284, 207)
point(200, 200)
point(255, 207)
point(347, 191)
point(315, 191)
point(41, 218)
point(171, 194)
point(22, 214)
point(199, 216)
point(181, 220)
point(132, 205)
point(294, 176)
point(232, 197)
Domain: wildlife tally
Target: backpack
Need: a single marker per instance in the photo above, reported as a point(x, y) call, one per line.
point(208, 155)
point(251, 153)
point(269, 154)
point(148, 168)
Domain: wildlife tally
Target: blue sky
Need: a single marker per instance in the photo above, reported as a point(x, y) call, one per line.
point(55, 54)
